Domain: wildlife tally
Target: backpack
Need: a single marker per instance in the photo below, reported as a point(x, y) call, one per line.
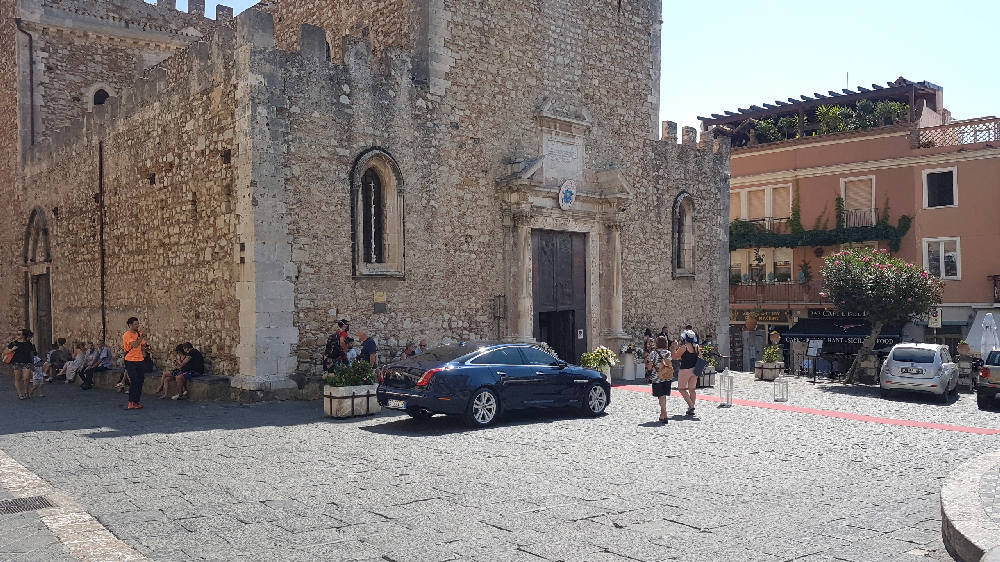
point(663, 373)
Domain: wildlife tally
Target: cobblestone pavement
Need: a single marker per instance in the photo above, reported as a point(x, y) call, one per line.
point(277, 481)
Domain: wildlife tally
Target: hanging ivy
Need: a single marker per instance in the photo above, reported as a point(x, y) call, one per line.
point(748, 234)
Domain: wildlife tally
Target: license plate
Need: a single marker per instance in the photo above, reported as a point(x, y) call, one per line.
point(396, 404)
point(912, 370)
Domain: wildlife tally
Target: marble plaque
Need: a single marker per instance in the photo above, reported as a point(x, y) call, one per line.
point(563, 158)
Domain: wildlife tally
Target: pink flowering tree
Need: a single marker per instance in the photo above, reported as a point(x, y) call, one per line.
point(886, 289)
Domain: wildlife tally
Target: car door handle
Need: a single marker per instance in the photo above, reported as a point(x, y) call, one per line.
point(502, 373)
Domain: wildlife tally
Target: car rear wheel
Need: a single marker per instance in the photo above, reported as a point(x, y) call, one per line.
point(983, 400)
point(597, 399)
point(483, 408)
point(944, 396)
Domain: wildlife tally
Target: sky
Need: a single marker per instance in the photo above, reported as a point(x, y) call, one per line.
point(727, 54)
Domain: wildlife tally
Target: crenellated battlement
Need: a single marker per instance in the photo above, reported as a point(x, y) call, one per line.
point(163, 17)
point(202, 65)
point(689, 138)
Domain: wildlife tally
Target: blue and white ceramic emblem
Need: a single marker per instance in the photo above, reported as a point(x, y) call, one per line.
point(567, 195)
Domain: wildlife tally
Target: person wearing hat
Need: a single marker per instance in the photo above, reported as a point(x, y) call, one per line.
point(687, 352)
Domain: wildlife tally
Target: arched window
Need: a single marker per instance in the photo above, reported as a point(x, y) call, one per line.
point(372, 213)
point(683, 235)
point(97, 94)
point(101, 96)
point(377, 211)
point(36, 239)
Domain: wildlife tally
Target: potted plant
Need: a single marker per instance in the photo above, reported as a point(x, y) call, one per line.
point(770, 366)
point(600, 359)
point(350, 391)
point(750, 323)
point(963, 348)
point(711, 356)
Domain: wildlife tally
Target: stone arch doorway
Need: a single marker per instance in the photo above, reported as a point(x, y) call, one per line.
point(559, 289)
point(38, 285)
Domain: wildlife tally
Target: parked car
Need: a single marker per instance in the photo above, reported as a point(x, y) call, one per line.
point(921, 367)
point(988, 382)
point(481, 381)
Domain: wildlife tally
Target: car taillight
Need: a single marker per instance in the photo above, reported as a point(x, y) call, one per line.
point(426, 378)
point(984, 372)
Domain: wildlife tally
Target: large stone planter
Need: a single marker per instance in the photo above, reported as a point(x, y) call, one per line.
point(768, 371)
point(348, 401)
point(628, 366)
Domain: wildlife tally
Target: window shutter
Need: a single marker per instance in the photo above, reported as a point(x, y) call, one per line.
point(858, 194)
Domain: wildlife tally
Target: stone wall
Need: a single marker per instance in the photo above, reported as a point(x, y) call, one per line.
point(82, 45)
point(12, 233)
point(161, 156)
point(227, 175)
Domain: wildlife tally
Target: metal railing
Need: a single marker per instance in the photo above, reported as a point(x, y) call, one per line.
point(970, 131)
point(860, 217)
point(765, 293)
point(771, 224)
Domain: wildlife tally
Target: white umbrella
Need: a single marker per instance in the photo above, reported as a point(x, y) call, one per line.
point(989, 341)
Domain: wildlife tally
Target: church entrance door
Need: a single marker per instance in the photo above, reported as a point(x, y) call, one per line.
point(41, 290)
point(559, 288)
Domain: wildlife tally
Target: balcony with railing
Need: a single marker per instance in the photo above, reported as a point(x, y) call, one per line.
point(776, 293)
point(970, 131)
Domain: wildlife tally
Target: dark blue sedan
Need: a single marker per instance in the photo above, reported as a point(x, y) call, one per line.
point(480, 381)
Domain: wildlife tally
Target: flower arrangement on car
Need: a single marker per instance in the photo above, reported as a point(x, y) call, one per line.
point(601, 356)
point(357, 374)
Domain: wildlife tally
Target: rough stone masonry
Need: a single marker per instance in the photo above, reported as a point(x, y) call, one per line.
point(448, 171)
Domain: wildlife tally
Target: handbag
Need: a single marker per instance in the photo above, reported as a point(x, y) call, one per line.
point(8, 356)
point(699, 365)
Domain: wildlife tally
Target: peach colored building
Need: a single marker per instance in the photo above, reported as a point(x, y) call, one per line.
point(943, 175)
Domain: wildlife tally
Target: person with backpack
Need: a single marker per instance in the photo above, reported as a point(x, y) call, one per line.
point(660, 373)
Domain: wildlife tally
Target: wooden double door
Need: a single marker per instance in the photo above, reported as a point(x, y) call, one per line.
point(559, 291)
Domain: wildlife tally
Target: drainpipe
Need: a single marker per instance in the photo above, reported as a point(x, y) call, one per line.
point(31, 78)
point(100, 230)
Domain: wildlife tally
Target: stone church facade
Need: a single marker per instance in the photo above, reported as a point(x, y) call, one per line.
point(428, 169)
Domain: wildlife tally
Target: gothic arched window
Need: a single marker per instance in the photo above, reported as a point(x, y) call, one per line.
point(683, 235)
point(377, 211)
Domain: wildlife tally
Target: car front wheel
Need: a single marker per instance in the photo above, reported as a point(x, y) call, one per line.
point(596, 400)
point(483, 408)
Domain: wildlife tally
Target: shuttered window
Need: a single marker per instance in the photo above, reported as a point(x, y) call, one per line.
point(858, 194)
point(781, 202)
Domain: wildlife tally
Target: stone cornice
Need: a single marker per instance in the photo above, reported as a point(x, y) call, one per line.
point(863, 167)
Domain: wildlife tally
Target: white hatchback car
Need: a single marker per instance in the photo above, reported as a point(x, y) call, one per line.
point(921, 367)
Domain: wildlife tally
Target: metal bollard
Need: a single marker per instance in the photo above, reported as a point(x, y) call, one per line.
point(726, 389)
point(781, 389)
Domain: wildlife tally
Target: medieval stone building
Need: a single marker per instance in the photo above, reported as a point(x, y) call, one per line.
point(427, 168)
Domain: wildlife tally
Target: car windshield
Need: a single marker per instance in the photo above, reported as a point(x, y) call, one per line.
point(913, 355)
point(993, 358)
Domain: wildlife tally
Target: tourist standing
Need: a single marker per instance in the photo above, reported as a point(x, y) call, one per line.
point(661, 389)
point(369, 349)
point(134, 344)
point(687, 352)
point(22, 361)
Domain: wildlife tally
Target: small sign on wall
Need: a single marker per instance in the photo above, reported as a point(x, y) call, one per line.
point(579, 334)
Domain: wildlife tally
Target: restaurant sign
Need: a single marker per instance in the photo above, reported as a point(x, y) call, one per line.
point(825, 313)
point(764, 316)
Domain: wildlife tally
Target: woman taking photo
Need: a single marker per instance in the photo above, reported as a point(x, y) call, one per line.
point(24, 358)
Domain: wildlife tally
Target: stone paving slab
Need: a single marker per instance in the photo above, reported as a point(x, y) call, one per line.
point(186, 481)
